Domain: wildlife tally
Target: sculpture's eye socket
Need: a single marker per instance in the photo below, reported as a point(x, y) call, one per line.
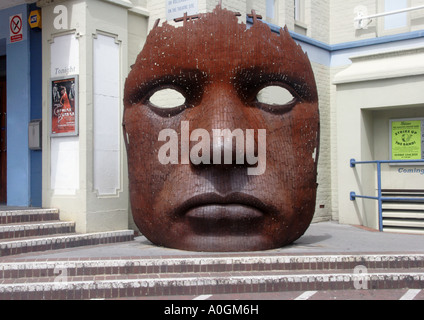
point(276, 97)
point(167, 99)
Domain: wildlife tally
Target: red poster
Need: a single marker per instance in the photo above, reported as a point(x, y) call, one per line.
point(64, 106)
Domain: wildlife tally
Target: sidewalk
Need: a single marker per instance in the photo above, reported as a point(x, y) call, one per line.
point(326, 238)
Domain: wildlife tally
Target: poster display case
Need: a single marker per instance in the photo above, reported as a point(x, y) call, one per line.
point(64, 106)
point(407, 139)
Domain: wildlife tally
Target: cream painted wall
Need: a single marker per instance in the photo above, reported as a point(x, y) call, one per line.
point(111, 35)
point(343, 13)
point(366, 100)
point(392, 178)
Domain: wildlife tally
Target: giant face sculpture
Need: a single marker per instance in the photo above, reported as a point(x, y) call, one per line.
point(222, 70)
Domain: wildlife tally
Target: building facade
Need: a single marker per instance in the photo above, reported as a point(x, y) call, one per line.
point(20, 82)
point(367, 57)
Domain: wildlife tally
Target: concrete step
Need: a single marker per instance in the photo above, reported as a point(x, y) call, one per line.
point(31, 229)
point(56, 242)
point(124, 278)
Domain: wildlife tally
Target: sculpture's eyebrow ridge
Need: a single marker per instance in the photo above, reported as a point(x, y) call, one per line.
point(251, 78)
point(189, 81)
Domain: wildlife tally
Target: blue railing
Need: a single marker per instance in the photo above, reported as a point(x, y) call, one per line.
point(379, 196)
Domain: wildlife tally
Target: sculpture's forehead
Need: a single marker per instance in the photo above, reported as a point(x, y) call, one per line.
point(221, 45)
point(217, 48)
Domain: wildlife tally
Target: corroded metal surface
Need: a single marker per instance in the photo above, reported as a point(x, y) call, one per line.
point(219, 67)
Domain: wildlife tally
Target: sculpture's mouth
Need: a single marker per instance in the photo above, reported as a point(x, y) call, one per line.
point(225, 220)
point(235, 214)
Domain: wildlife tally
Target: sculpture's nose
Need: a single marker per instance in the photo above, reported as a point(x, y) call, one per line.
point(231, 127)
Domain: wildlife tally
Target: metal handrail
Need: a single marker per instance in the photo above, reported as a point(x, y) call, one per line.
point(379, 197)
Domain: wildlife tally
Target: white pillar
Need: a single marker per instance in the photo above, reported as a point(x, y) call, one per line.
point(85, 175)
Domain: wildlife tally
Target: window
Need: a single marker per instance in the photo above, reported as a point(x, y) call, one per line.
point(298, 10)
point(272, 11)
point(394, 23)
point(300, 25)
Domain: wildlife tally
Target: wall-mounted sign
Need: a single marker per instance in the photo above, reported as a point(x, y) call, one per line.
point(15, 28)
point(64, 106)
point(407, 139)
point(177, 8)
point(34, 19)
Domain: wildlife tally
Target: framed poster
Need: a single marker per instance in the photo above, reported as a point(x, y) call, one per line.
point(407, 139)
point(64, 106)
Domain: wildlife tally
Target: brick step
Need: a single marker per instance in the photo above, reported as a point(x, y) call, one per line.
point(61, 275)
point(56, 242)
point(209, 264)
point(125, 286)
point(31, 229)
point(124, 278)
point(28, 215)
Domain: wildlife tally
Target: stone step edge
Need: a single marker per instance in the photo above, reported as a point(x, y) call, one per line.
point(30, 215)
point(14, 269)
point(208, 285)
point(19, 231)
point(27, 212)
point(61, 238)
point(63, 241)
point(62, 275)
point(35, 225)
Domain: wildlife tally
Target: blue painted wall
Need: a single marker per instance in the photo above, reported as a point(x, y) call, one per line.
point(36, 112)
point(23, 104)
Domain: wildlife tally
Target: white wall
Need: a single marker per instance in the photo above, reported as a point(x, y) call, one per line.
point(365, 99)
point(86, 176)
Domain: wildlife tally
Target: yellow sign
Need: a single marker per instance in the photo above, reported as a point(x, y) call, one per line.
point(34, 19)
point(406, 140)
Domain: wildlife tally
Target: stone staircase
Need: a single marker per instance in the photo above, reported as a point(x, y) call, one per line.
point(208, 275)
point(33, 230)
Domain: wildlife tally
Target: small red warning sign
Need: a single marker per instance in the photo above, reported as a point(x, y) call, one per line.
point(15, 25)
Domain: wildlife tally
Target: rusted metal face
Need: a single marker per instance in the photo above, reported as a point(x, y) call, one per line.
point(220, 67)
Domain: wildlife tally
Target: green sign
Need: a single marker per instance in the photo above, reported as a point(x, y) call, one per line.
point(406, 140)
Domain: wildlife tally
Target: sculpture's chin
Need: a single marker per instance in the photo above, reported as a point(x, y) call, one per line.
point(225, 243)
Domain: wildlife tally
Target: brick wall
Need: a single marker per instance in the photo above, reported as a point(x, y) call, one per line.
point(324, 194)
point(137, 33)
point(319, 15)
